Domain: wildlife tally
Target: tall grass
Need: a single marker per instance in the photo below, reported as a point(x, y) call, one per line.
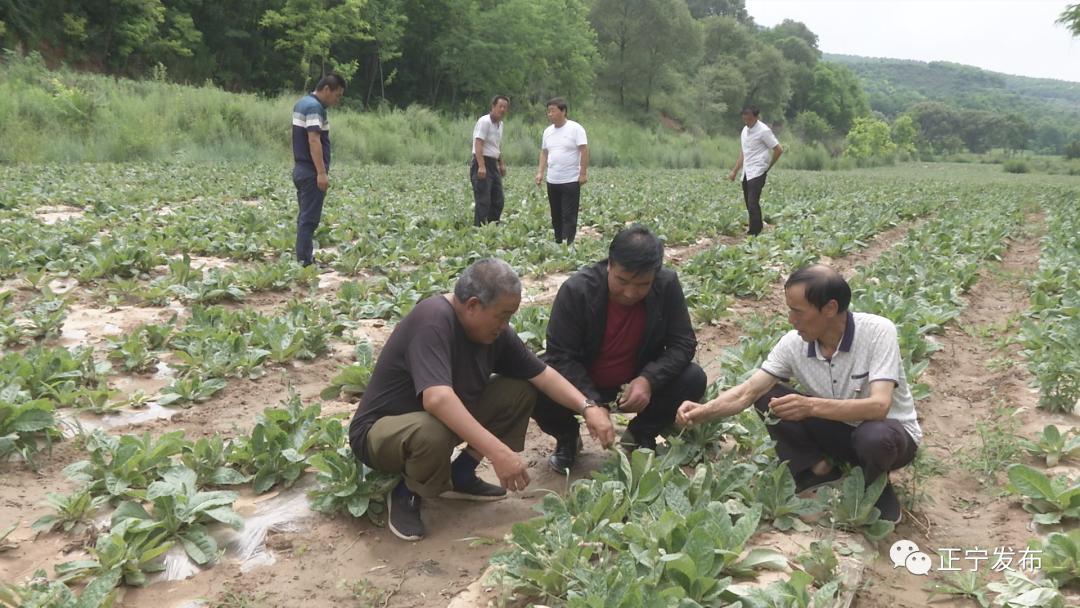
point(70, 116)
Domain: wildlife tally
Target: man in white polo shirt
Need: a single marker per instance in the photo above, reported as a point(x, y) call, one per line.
point(564, 155)
point(858, 408)
point(760, 151)
point(487, 169)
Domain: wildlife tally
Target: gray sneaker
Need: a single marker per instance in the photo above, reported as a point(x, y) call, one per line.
point(404, 517)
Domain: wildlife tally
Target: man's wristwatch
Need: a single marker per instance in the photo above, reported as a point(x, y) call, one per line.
point(587, 404)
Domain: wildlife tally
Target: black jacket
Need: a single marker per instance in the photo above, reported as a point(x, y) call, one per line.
point(575, 332)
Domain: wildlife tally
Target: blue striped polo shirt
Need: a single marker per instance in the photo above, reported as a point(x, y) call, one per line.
point(309, 114)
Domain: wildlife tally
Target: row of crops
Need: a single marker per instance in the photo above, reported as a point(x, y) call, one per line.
point(403, 235)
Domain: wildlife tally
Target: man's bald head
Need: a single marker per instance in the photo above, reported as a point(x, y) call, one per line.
point(822, 284)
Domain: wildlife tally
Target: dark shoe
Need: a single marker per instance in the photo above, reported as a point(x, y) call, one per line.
point(566, 451)
point(477, 489)
point(404, 517)
point(808, 480)
point(630, 442)
point(889, 505)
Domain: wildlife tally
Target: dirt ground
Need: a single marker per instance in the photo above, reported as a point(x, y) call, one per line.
point(321, 561)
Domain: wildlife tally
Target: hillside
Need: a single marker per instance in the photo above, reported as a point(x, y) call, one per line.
point(894, 84)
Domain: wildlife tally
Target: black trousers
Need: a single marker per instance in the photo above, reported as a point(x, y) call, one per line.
point(558, 421)
point(564, 200)
point(487, 192)
point(751, 190)
point(309, 214)
point(878, 446)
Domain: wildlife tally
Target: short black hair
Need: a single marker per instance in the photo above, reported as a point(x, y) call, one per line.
point(332, 80)
point(822, 284)
point(637, 250)
point(558, 102)
point(750, 110)
point(495, 100)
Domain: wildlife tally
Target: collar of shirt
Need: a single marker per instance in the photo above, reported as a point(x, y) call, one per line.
point(845, 341)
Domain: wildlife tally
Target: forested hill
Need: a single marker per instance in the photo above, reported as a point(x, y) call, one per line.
point(894, 85)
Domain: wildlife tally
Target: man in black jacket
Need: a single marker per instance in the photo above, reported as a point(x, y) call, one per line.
point(621, 322)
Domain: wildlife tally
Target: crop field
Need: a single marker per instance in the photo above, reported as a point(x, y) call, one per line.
point(174, 392)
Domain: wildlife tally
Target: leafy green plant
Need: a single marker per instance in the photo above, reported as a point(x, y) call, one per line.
point(189, 390)
point(967, 584)
point(71, 511)
point(132, 353)
point(852, 506)
point(181, 512)
point(275, 451)
point(820, 562)
point(1052, 445)
point(1060, 556)
point(774, 490)
point(41, 592)
point(129, 552)
point(125, 466)
point(209, 458)
point(45, 317)
point(1049, 500)
point(353, 379)
point(1019, 591)
point(795, 592)
point(346, 484)
point(23, 423)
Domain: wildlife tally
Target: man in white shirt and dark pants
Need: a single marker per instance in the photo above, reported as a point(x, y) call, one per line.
point(857, 407)
point(760, 151)
point(487, 167)
point(564, 155)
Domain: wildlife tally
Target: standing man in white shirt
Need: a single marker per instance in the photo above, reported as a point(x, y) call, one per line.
point(487, 168)
point(564, 155)
point(755, 160)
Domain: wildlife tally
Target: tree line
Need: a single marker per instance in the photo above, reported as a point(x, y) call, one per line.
point(694, 62)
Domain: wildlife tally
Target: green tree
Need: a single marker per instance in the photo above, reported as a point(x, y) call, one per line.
point(311, 29)
point(644, 43)
point(725, 39)
point(718, 90)
point(1070, 18)
point(735, 9)
point(812, 128)
point(768, 78)
point(905, 134)
point(868, 139)
point(836, 95)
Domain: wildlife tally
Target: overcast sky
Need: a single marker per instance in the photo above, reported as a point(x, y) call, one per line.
point(1017, 37)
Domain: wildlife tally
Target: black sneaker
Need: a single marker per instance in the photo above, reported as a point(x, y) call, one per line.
point(630, 442)
point(889, 505)
point(808, 480)
point(477, 489)
point(566, 451)
point(404, 517)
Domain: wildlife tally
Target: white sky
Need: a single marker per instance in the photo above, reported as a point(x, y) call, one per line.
point(1013, 37)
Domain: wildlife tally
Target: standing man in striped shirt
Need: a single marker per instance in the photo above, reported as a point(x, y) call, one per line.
point(311, 156)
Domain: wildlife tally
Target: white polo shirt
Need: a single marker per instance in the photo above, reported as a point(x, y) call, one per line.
point(757, 145)
point(490, 132)
point(564, 157)
point(869, 351)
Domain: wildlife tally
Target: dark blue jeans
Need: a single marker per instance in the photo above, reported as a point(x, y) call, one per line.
point(311, 200)
point(487, 192)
